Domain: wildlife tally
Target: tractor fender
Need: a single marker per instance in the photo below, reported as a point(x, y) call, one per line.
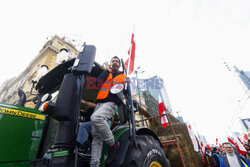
point(147, 131)
point(125, 142)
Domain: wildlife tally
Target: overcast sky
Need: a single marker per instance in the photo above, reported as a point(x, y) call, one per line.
point(183, 41)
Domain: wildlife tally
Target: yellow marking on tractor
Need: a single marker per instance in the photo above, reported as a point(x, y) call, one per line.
point(19, 113)
point(155, 164)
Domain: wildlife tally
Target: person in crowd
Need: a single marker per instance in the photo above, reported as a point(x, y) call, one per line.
point(247, 145)
point(221, 151)
point(107, 104)
point(232, 159)
point(216, 157)
point(248, 155)
point(208, 158)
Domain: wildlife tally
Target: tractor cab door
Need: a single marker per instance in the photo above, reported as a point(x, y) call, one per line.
point(70, 79)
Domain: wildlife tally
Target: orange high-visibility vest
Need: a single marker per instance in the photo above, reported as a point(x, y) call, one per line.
point(110, 81)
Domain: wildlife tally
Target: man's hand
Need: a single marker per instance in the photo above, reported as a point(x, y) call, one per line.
point(88, 104)
point(107, 66)
point(84, 102)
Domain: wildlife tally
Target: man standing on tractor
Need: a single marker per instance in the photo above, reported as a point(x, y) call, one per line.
point(107, 104)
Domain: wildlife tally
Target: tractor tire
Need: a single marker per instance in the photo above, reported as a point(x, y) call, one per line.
point(148, 154)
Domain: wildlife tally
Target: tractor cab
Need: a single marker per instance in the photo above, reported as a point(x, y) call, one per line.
point(62, 86)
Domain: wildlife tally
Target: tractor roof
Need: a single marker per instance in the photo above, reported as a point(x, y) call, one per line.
point(51, 82)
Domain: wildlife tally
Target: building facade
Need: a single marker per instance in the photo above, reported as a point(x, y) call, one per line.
point(151, 103)
point(155, 86)
point(243, 78)
point(28, 78)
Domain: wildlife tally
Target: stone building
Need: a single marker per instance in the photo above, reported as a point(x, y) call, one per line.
point(42, 63)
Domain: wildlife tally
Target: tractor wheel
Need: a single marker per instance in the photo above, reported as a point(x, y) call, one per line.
point(148, 154)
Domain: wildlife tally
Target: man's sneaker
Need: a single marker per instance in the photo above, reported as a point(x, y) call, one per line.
point(113, 151)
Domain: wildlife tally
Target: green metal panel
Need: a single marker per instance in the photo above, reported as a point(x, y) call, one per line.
point(61, 154)
point(117, 134)
point(20, 133)
point(16, 164)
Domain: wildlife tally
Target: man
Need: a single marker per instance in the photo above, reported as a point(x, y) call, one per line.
point(231, 159)
point(216, 157)
point(208, 161)
point(221, 151)
point(107, 104)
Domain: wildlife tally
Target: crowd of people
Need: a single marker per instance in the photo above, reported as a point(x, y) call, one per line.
point(226, 156)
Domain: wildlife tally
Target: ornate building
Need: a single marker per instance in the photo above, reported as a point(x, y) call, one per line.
point(46, 60)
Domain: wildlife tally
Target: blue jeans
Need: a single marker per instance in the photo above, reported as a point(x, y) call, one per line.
point(83, 132)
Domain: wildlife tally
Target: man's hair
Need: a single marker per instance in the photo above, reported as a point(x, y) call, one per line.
point(215, 149)
point(227, 143)
point(116, 58)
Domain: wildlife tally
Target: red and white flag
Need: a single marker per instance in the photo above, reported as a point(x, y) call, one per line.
point(239, 140)
point(193, 138)
point(241, 149)
point(162, 110)
point(230, 140)
point(202, 143)
point(202, 147)
point(245, 138)
point(129, 63)
point(218, 143)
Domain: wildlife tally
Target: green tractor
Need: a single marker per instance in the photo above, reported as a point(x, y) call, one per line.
point(47, 137)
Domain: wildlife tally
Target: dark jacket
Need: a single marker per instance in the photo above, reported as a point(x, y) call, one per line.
point(216, 158)
point(227, 163)
point(208, 161)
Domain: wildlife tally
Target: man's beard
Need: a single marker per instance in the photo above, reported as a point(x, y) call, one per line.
point(115, 68)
